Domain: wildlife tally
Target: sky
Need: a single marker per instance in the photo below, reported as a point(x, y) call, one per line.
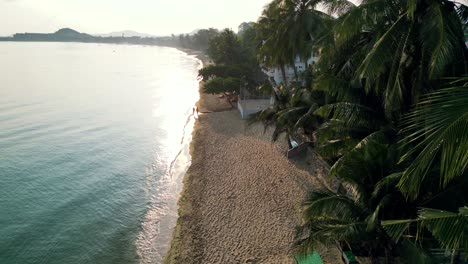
point(157, 17)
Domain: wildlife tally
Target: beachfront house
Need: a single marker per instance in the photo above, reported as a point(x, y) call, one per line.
point(249, 104)
point(300, 66)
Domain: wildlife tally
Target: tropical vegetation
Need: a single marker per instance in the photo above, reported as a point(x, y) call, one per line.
point(234, 64)
point(386, 106)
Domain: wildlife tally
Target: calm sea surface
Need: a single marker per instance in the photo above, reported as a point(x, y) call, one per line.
point(93, 147)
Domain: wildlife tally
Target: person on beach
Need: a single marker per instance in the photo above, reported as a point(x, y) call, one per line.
point(195, 112)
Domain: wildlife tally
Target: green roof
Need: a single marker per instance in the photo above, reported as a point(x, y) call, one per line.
point(312, 258)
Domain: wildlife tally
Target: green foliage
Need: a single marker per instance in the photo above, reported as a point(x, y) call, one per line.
point(438, 125)
point(329, 217)
point(270, 116)
point(235, 64)
point(225, 48)
point(410, 253)
point(223, 71)
point(198, 41)
point(219, 85)
point(286, 29)
point(291, 111)
point(248, 39)
point(450, 229)
point(202, 38)
point(383, 65)
point(353, 213)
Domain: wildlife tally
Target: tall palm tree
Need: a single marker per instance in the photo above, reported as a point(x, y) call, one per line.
point(300, 25)
point(383, 56)
point(360, 71)
point(288, 28)
point(379, 59)
point(413, 43)
point(271, 49)
point(436, 136)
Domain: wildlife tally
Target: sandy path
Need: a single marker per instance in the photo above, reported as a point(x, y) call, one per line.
point(241, 195)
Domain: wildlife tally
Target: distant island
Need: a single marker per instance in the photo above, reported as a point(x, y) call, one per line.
point(71, 35)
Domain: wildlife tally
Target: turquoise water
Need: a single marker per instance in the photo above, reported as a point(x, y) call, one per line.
point(93, 146)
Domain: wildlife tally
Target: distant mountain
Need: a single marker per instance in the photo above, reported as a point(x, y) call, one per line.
point(64, 34)
point(70, 33)
point(125, 33)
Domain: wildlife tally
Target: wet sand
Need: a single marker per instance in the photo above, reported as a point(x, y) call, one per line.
point(241, 198)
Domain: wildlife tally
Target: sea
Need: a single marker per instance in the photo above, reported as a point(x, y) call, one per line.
point(94, 143)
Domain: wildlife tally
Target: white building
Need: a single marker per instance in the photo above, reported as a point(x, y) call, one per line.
point(300, 66)
point(248, 105)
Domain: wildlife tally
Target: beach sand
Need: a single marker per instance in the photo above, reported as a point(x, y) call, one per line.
point(241, 198)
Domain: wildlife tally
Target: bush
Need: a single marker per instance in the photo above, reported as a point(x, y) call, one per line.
point(222, 85)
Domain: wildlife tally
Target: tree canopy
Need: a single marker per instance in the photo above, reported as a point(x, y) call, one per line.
point(386, 107)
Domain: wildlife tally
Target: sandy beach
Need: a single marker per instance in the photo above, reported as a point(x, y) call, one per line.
point(241, 198)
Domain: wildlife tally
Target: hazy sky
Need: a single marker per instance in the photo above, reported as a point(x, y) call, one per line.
point(159, 17)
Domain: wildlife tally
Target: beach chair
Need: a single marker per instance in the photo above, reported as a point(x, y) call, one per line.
point(311, 258)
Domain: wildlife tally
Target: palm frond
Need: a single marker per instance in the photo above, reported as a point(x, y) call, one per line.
point(327, 231)
point(438, 124)
point(383, 53)
point(357, 165)
point(336, 148)
point(442, 37)
point(329, 204)
point(387, 183)
point(354, 115)
point(410, 253)
point(338, 7)
point(336, 87)
point(450, 229)
point(395, 90)
point(373, 219)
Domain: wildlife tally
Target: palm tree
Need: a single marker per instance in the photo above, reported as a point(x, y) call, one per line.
point(412, 43)
point(377, 61)
point(385, 52)
point(437, 128)
point(449, 228)
point(301, 24)
point(271, 49)
point(270, 116)
point(352, 214)
point(288, 28)
point(346, 124)
point(381, 58)
point(225, 48)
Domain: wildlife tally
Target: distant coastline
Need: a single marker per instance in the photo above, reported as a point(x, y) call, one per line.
point(71, 35)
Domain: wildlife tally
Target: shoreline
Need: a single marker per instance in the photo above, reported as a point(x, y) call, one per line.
point(198, 54)
point(240, 198)
point(183, 207)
